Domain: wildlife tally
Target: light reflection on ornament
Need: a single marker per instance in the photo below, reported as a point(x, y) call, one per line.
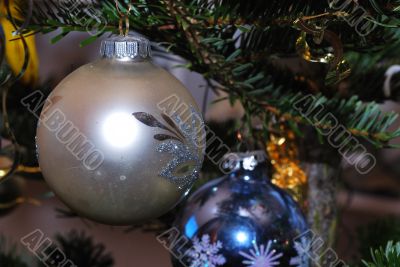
point(191, 227)
point(249, 163)
point(243, 212)
point(119, 129)
point(241, 237)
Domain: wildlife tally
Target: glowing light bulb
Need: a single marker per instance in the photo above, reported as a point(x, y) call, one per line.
point(119, 129)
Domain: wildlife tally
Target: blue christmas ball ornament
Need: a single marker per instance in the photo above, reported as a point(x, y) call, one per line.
point(242, 219)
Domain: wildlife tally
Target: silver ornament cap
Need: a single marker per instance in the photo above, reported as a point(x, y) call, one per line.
point(249, 160)
point(127, 48)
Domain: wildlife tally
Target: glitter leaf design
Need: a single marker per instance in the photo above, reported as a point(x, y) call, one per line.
point(163, 137)
point(172, 124)
point(261, 256)
point(181, 154)
point(184, 167)
point(205, 253)
point(149, 120)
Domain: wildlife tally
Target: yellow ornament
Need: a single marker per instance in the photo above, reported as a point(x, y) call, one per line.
point(14, 47)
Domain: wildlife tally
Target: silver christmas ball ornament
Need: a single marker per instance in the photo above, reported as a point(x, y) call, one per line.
point(120, 140)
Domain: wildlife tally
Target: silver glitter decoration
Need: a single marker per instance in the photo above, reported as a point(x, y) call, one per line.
point(185, 154)
point(185, 140)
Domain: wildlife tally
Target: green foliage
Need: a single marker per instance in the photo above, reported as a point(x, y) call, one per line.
point(235, 44)
point(82, 251)
point(9, 256)
point(11, 260)
point(376, 234)
point(77, 247)
point(388, 257)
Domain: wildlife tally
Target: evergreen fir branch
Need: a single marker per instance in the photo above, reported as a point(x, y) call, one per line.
point(234, 44)
point(384, 229)
point(9, 256)
point(371, 125)
point(217, 14)
point(369, 67)
point(388, 257)
point(82, 251)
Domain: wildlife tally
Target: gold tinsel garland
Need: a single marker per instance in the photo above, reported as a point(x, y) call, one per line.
point(283, 153)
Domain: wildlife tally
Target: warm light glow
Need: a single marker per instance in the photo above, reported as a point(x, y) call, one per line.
point(119, 129)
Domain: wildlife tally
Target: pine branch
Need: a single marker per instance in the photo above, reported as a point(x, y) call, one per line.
point(384, 229)
point(9, 256)
point(388, 257)
point(82, 251)
point(235, 44)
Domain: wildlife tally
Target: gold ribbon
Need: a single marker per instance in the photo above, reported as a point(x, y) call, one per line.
point(339, 69)
point(18, 201)
point(123, 17)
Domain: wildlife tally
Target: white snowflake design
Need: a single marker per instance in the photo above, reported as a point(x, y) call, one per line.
point(261, 256)
point(205, 254)
point(303, 248)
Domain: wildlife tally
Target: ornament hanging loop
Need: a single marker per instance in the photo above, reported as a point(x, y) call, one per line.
point(121, 27)
point(339, 69)
point(122, 17)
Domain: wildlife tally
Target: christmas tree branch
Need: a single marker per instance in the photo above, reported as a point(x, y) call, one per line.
point(234, 44)
point(388, 257)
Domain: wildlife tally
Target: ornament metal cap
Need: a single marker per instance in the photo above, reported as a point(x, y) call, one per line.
point(248, 160)
point(126, 48)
